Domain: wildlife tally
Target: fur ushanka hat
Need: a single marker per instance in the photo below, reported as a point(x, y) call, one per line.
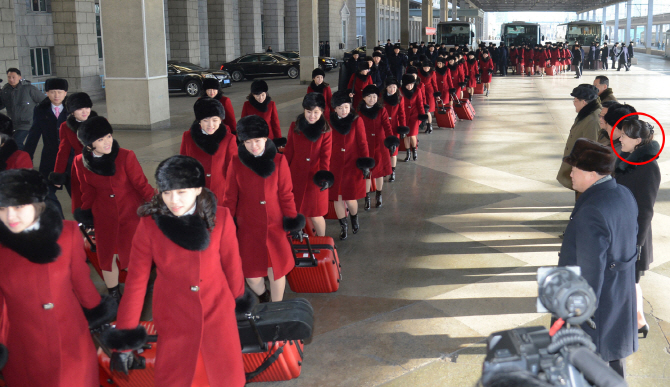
point(22, 186)
point(259, 86)
point(208, 107)
point(211, 83)
point(589, 155)
point(369, 90)
point(93, 129)
point(78, 101)
point(251, 127)
point(312, 100)
point(318, 71)
point(179, 172)
point(55, 84)
point(363, 66)
point(339, 98)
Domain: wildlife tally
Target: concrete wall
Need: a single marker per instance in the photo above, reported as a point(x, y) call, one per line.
point(291, 26)
point(9, 53)
point(33, 29)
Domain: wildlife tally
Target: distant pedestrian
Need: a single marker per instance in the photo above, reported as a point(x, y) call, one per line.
point(269, 49)
point(19, 97)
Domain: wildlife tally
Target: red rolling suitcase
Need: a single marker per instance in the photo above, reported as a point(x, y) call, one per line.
point(520, 69)
point(465, 110)
point(479, 89)
point(317, 266)
point(551, 70)
point(89, 247)
point(445, 116)
point(282, 361)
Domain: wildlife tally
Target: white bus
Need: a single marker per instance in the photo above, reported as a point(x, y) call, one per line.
point(454, 33)
point(520, 32)
point(584, 32)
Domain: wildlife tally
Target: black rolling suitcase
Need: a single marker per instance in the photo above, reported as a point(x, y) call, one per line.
point(276, 321)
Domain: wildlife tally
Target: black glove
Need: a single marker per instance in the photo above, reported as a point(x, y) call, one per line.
point(324, 179)
point(392, 143)
point(103, 313)
point(84, 217)
point(298, 235)
point(490, 71)
point(121, 361)
point(57, 178)
point(3, 356)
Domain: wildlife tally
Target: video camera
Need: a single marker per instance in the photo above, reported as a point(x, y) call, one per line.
point(562, 356)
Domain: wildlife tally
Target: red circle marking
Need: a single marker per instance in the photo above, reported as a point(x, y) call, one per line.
point(637, 114)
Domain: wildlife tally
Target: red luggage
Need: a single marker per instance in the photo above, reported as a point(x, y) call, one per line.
point(317, 266)
point(445, 117)
point(89, 247)
point(551, 70)
point(282, 361)
point(479, 89)
point(519, 69)
point(465, 110)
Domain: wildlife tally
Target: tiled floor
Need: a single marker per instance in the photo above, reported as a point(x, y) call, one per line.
point(452, 255)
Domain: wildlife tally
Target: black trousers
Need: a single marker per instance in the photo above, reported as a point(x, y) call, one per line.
point(605, 64)
point(622, 61)
point(579, 67)
point(503, 68)
point(619, 366)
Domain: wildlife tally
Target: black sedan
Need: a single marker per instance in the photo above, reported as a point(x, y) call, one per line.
point(325, 63)
point(261, 65)
point(187, 77)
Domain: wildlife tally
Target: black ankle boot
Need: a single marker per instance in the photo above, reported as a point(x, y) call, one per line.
point(408, 157)
point(378, 196)
point(414, 155)
point(344, 228)
point(114, 292)
point(265, 297)
point(392, 176)
point(354, 223)
point(367, 202)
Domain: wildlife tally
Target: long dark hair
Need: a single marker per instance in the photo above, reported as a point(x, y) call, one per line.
point(638, 129)
point(326, 127)
point(205, 207)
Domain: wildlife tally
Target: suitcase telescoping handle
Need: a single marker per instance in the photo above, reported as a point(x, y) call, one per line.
point(82, 228)
point(457, 101)
point(302, 261)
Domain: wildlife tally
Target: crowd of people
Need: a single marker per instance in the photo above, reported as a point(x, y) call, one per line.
point(220, 217)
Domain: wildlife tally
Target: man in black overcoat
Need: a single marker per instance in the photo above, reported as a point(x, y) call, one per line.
point(397, 62)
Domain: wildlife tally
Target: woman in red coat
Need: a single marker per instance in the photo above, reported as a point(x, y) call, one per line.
point(454, 73)
point(44, 283)
point(259, 196)
point(429, 81)
point(11, 157)
point(393, 105)
point(541, 58)
point(319, 86)
point(381, 141)
point(529, 59)
point(210, 142)
point(199, 278)
point(213, 90)
point(462, 74)
point(308, 155)
point(359, 81)
point(444, 80)
point(79, 105)
point(113, 186)
point(473, 69)
point(414, 113)
point(486, 68)
point(349, 162)
point(260, 104)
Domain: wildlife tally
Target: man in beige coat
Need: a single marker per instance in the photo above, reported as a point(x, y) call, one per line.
point(586, 125)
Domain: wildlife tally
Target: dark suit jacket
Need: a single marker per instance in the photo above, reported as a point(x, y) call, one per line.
point(45, 125)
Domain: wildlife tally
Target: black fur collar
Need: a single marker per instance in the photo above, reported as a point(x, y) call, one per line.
point(207, 142)
point(318, 89)
point(6, 151)
point(471, 61)
point(441, 70)
point(639, 155)
point(218, 96)
point(72, 122)
point(408, 93)
point(369, 112)
point(453, 67)
point(392, 99)
point(38, 246)
point(261, 107)
point(188, 231)
point(426, 74)
point(362, 77)
point(263, 165)
point(588, 109)
point(311, 131)
point(342, 125)
point(608, 92)
point(104, 165)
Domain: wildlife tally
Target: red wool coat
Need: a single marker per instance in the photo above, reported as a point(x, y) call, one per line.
point(454, 73)
point(485, 65)
point(68, 142)
point(529, 57)
point(376, 131)
point(513, 56)
point(17, 160)
point(357, 85)
point(230, 121)
point(49, 347)
point(568, 58)
point(429, 82)
point(306, 158)
point(113, 201)
point(413, 108)
point(473, 70)
point(541, 58)
point(347, 148)
point(259, 206)
point(444, 83)
point(396, 115)
point(193, 302)
point(555, 54)
point(270, 116)
point(327, 95)
point(216, 165)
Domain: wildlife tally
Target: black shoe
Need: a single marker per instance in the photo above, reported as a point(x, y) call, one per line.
point(429, 128)
point(265, 297)
point(644, 330)
point(367, 202)
point(414, 155)
point(378, 197)
point(407, 158)
point(354, 223)
point(392, 176)
point(114, 292)
point(344, 228)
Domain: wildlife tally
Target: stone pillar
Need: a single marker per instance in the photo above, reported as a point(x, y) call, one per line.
point(203, 33)
point(604, 22)
point(250, 27)
point(616, 23)
point(650, 22)
point(273, 17)
point(184, 30)
point(309, 45)
point(221, 32)
point(371, 24)
point(291, 27)
point(9, 52)
point(629, 14)
point(404, 23)
point(76, 45)
point(444, 10)
point(137, 89)
point(426, 18)
point(454, 11)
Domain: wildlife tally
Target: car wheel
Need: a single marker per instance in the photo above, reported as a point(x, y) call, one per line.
point(237, 76)
point(192, 88)
point(293, 72)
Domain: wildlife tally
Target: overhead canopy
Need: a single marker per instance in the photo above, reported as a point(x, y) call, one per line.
point(540, 5)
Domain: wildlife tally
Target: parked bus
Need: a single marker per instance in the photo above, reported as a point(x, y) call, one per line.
point(584, 32)
point(520, 32)
point(454, 33)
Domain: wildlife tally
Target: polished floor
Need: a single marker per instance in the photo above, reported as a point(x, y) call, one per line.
point(452, 254)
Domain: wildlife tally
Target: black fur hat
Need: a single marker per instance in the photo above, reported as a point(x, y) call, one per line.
point(377, 54)
point(6, 126)
point(363, 66)
point(340, 97)
point(318, 71)
point(369, 90)
point(615, 113)
point(412, 70)
point(407, 79)
point(76, 101)
point(55, 84)
point(391, 80)
point(251, 127)
point(211, 83)
point(369, 59)
point(585, 91)
point(589, 155)
point(93, 129)
point(208, 107)
point(312, 100)
point(259, 86)
point(179, 172)
point(22, 186)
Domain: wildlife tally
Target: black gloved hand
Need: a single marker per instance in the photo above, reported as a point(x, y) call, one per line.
point(392, 150)
point(324, 179)
point(121, 361)
point(490, 71)
point(3, 356)
point(298, 235)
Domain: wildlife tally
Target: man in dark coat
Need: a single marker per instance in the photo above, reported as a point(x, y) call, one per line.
point(413, 55)
point(631, 53)
point(605, 92)
point(326, 48)
point(352, 63)
point(388, 48)
point(321, 47)
point(601, 239)
point(502, 59)
point(397, 62)
point(621, 54)
point(604, 54)
point(379, 70)
point(578, 60)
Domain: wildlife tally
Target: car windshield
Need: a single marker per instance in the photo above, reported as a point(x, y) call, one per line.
point(185, 66)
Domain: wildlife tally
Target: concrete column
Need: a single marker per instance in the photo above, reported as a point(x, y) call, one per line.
point(273, 17)
point(650, 21)
point(184, 30)
point(426, 18)
point(203, 33)
point(371, 24)
point(76, 45)
point(221, 32)
point(616, 23)
point(250, 27)
point(444, 10)
point(629, 14)
point(137, 90)
point(291, 27)
point(604, 22)
point(454, 11)
point(9, 52)
point(309, 46)
point(404, 23)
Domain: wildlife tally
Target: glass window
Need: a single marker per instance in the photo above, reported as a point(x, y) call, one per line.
point(40, 6)
point(344, 31)
point(40, 61)
point(248, 59)
point(265, 58)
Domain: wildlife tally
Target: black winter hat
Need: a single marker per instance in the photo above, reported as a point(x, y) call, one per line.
point(55, 84)
point(364, 65)
point(211, 83)
point(369, 90)
point(76, 101)
point(251, 127)
point(93, 129)
point(585, 91)
point(179, 172)
point(318, 71)
point(407, 79)
point(426, 64)
point(312, 100)
point(22, 186)
point(397, 45)
point(589, 155)
point(412, 70)
point(259, 86)
point(391, 80)
point(6, 126)
point(616, 112)
point(368, 59)
point(208, 107)
point(377, 54)
point(339, 98)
